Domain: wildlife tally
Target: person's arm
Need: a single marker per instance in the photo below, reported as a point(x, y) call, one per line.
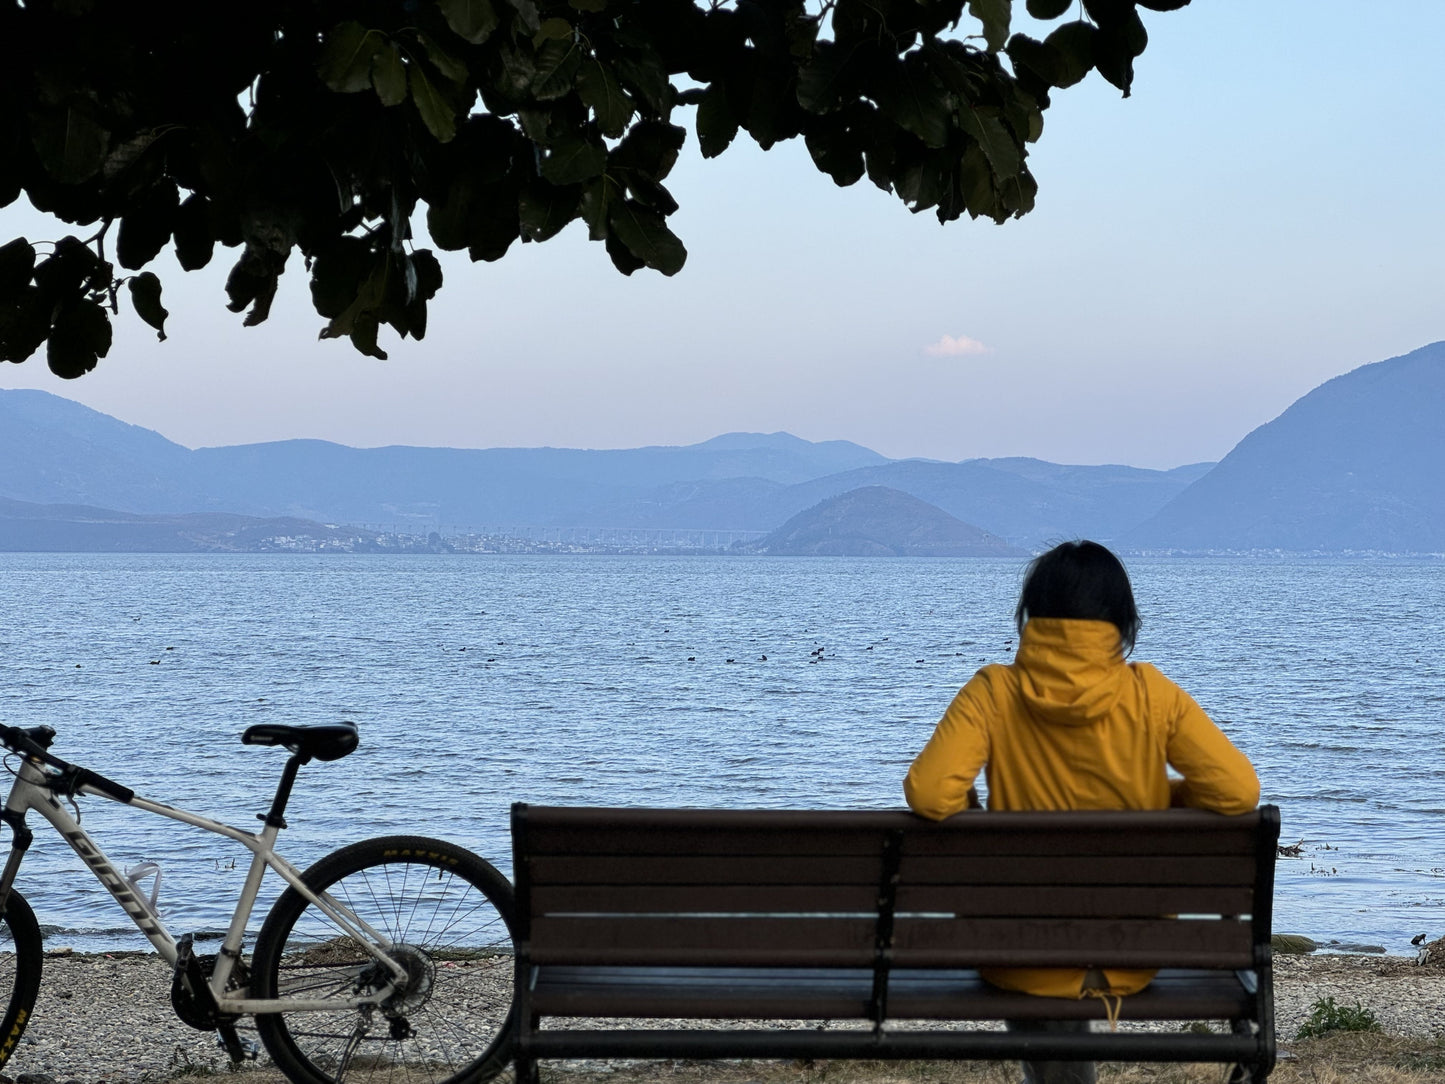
point(940, 781)
point(1217, 776)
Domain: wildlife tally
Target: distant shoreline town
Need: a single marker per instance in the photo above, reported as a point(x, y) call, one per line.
point(1355, 467)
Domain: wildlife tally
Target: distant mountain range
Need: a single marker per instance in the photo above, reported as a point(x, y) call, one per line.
point(1358, 464)
point(57, 452)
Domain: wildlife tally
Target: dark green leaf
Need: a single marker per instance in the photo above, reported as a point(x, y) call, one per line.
point(388, 75)
point(558, 62)
point(81, 335)
point(345, 63)
point(1003, 152)
point(253, 282)
point(596, 200)
point(622, 256)
point(519, 67)
point(643, 72)
point(1036, 66)
point(553, 29)
point(337, 274)
point(994, 14)
point(24, 324)
point(17, 264)
point(588, 5)
point(545, 209)
point(716, 124)
point(650, 194)
point(909, 96)
point(527, 16)
point(573, 162)
point(192, 233)
point(121, 158)
point(975, 183)
point(71, 146)
point(821, 78)
point(438, 116)
point(836, 150)
point(450, 68)
point(145, 295)
point(646, 236)
point(363, 336)
point(1121, 38)
point(369, 294)
point(147, 225)
point(472, 20)
point(1072, 48)
point(1049, 9)
point(605, 97)
point(428, 272)
point(650, 148)
point(63, 273)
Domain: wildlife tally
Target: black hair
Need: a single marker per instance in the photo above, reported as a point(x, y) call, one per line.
point(1080, 580)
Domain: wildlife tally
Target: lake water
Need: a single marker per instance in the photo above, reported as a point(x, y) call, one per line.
point(480, 681)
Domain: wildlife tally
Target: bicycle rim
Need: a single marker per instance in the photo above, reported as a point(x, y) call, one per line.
point(447, 915)
point(20, 963)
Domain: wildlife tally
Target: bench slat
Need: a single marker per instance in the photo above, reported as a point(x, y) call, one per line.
point(1158, 942)
point(691, 869)
point(841, 942)
point(856, 870)
point(654, 899)
point(1069, 870)
point(1089, 901)
point(820, 993)
point(544, 819)
point(708, 840)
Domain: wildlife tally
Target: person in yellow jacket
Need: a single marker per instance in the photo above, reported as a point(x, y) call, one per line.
point(1071, 725)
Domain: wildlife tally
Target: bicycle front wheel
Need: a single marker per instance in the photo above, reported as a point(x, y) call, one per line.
point(20, 963)
point(446, 916)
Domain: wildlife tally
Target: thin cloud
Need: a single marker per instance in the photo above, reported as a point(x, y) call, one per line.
point(955, 346)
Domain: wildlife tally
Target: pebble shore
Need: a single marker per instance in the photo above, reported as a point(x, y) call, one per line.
point(108, 1018)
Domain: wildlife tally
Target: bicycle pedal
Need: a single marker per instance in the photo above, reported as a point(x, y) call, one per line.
point(237, 1048)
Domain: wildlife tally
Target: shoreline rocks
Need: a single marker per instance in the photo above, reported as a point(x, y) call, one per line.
point(107, 1019)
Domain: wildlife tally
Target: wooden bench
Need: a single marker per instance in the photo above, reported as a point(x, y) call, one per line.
point(626, 915)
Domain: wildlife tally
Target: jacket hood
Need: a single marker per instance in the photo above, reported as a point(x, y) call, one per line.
point(1070, 672)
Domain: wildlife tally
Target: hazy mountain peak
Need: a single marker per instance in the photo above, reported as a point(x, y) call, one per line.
point(1354, 464)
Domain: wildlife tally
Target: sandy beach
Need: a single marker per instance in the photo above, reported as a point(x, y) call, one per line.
point(108, 1018)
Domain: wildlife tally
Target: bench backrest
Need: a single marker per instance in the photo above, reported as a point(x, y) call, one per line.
point(784, 888)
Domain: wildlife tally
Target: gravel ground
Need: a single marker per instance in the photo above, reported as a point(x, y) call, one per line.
point(103, 1018)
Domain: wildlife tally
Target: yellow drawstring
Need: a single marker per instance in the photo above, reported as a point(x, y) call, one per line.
point(1113, 1004)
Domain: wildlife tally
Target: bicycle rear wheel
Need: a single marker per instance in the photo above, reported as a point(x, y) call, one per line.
point(448, 916)
point(20, 964)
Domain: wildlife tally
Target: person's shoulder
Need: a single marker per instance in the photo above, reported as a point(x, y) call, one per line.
point(990, 681)
point(1154, 680)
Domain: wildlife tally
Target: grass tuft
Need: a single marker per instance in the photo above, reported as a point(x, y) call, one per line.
point(1326, 1015)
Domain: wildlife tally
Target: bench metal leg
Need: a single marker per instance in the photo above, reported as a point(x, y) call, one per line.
point(1055, 1072)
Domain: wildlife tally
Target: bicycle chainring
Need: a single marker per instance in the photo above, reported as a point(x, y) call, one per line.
point(200, 1012)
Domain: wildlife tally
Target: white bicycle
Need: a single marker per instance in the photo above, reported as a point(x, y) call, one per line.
point(389, 959)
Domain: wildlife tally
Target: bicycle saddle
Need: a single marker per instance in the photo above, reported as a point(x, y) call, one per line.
point(325, 741)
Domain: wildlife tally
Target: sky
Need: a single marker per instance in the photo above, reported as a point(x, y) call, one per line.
point(1264, 213)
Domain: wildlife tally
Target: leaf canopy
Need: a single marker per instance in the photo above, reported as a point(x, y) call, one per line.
point(334, 128)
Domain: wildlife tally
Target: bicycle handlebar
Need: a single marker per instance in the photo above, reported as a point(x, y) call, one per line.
point(35, 744)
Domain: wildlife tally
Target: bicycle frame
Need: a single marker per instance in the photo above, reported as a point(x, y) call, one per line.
point(31, 790)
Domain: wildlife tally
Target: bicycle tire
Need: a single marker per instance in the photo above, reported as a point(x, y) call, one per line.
point(21, 960)
point(448, 914)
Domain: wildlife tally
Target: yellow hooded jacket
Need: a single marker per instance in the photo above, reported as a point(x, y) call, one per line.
point(1071, 725)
